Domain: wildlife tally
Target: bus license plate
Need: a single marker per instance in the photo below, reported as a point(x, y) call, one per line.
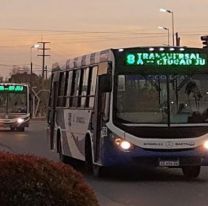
point(169, 163)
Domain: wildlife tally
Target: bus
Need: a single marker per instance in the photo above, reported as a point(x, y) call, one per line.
point(14, 106)
point(142, 106)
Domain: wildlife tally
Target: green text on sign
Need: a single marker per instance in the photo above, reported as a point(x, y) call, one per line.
point(11, 88)
point(166, 59)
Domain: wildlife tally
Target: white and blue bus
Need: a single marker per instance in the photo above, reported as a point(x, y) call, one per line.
point(14, 106)
point(143, 106)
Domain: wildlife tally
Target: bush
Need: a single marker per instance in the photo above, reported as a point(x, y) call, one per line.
point(32, 181)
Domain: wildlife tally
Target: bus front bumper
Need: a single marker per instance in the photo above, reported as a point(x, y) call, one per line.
point(14, 123)
point(112, 156)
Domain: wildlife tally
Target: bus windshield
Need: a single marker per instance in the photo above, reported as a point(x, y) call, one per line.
point(162, 99)
point(13, 102)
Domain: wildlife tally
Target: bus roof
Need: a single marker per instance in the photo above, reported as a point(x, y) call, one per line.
point(90, 59)
point(13, 84)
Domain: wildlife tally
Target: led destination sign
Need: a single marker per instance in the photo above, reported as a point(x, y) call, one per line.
point(11, 88)
point(166, 59)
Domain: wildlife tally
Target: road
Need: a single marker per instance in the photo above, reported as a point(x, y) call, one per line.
point(139, 188)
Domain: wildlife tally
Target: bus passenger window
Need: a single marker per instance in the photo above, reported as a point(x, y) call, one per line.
point(69, 88)
point(93, 86)
point(76, 88)
point(84, 87)
point(61, 89)
point(65, 88)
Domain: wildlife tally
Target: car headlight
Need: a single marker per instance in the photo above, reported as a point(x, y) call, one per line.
point(206, 144)
point(20, 120)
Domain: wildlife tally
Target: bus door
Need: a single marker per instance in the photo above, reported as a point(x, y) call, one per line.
point(102, 100)
point(52, 109)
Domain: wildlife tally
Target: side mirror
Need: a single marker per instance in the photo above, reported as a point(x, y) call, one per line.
point(105, 83)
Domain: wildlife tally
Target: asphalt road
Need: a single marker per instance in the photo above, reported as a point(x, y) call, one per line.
point(163, 187)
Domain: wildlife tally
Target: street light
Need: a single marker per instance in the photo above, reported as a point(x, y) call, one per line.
point(172, 14)
point(31, 62)
point(167, 29)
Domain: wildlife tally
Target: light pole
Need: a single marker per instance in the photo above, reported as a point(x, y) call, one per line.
point(31, 62)
point(167, 29)
point(172, 14)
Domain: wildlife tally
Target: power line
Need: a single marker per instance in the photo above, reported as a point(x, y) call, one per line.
point(12, 65)
point(85, 31)
point(68, 31)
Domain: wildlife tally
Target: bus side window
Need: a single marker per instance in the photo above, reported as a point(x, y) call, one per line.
point(93, 86)
point(79, 93)
point(61, 89)
point(50, 95)
point(50, 100)
point(84, 86)
point(65, 88)
point(88, 87)
point(72, 88)
point(76, 88)
point(69, 87)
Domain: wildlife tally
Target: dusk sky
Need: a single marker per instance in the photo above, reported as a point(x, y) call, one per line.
point(80, 27)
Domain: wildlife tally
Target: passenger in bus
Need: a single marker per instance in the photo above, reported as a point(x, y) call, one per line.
point(192, 88)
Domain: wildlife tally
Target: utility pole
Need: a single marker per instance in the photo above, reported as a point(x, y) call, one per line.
point(31, 71)
point(46, 72)
point(178, 40)
point(43, 55)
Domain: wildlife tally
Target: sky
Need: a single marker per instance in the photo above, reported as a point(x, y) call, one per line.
point(80, 27)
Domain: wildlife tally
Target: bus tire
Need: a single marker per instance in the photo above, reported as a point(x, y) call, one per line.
point(97, 170)
point(62, 157)
point(12, 128)
point(191, 172)
point(20, 129)
point(88, 156)
point(91, 168)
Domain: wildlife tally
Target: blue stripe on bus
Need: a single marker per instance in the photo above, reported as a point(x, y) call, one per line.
point(113, 156)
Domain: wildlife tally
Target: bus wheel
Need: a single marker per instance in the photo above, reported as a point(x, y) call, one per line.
point(62, 157)
point(97, 171)
point(191, 172)
point(21, 129)
point(91, 168)
point(88, 156)
point(12, 128)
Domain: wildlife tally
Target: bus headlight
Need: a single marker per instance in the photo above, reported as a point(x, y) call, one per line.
point(125, 145)
point(122, 144)
point(206, 144)
point(20, 120)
